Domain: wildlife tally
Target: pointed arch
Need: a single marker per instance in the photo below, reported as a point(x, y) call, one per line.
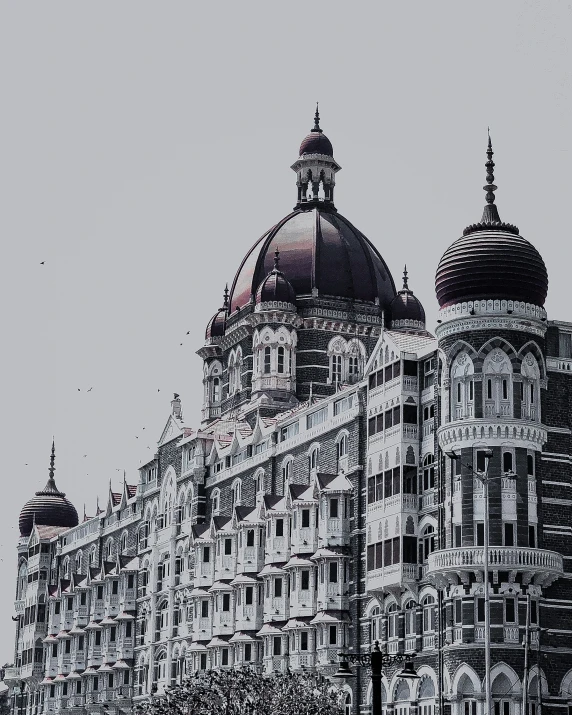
point(505, 680)
point(465, 681)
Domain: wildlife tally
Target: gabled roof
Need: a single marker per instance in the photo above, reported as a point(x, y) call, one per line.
point(302, 492)
point(334, 482)
point(275, 502)
point(201, 532)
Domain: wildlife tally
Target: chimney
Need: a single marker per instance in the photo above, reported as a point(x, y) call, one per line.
point(176, 407)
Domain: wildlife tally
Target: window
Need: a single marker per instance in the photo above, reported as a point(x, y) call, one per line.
point(333, 635)
point(532, 536)
point(428, 473)
point(334, 512)
point(333, 572)
point(507, 462)
point(480, 616)
point(248, 651)
point(317, 418)
point(227, 547)
point(336, 369)
point(277, 645)
point(215, 393)
point(457, 611)
point(342, 447)
point(565, 345)
point(304, 640)
point(248, 596)
point(392, 621)
point(508, 533)
point(206, 554)
point(250, 537)
point(510, 610)
point(204, 608)
point(226, 601)
point(281, 369)
point(267, 364)
point(530, 465)
point(277, 588)
point(479, 533)
point(429, 372)
point(279, 527)
point(305, 580)
point(429, 614)
point(410, 628)
point(305, 518)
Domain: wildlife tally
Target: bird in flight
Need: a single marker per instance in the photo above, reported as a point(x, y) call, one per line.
point(90, 389)
point(188, 332)
point(42, 263)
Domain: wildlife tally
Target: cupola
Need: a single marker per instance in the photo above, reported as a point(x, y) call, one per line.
point(315, 168)
point(49, 507)
point(275, 291)
point(406, 311)
point(491, 261)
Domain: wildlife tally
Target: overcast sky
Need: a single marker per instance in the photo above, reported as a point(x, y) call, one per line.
point(145, 146)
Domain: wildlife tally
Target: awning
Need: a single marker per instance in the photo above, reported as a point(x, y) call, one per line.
point(121, 665)
point(196, 647)
point(332, 617)
point(269, 629)
point(50, 639)
point(124, 616)
point(199, 592)
point(108, 621)
point(217, 642)
point(63, 635)
point(220, 586)
point(298, 561)
point(74, 676)
point(271, 569)
point(60, 678)
point(244, 578)
point(296, 623)
point(242, 637)
point(93, 626)
point(105, 668)
point(47, 681)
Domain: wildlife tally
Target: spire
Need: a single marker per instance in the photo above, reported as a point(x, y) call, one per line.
point(225, 298)
point(405, 283)
point(490, 213)
point(51, 487)
point(317, 121)
point(276, 260)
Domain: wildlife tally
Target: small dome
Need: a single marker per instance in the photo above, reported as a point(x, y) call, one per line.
point(275, 288)
point(405, 310)
point(491, 261)
point(217, 324)
point(316, 142)
point(49, 507)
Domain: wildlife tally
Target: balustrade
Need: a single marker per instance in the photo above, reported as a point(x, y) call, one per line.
point(500, 557)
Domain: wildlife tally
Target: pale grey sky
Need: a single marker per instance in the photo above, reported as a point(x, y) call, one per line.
point(145, 146)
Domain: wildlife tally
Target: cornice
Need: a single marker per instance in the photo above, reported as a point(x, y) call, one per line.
point(491, 314)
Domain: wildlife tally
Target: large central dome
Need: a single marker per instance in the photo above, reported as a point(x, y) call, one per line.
point(319, 250)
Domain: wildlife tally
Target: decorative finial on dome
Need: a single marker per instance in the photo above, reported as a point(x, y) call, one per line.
point(490, 213)
point(225, 298)
point(317, 121)
point(405, 279)
point(276, 260)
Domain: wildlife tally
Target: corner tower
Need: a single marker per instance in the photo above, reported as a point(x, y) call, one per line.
point(491, 285)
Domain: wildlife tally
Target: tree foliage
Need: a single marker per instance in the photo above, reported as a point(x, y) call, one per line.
point(245, 692)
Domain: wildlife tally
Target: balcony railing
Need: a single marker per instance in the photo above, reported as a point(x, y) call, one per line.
point(506, 558)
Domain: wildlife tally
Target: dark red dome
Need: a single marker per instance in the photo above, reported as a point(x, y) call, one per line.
point(316, 143)
point(275, 288)
point(216, 325)
point(319, 249)
point(48, 508)
point(491, 263)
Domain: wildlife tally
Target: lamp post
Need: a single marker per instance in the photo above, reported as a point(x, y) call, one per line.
point(484, 478)
point(377, 661)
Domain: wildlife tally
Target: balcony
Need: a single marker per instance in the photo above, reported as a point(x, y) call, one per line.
point(11, 675)
point(391, 576)
point(494, 430)
point(537, 565)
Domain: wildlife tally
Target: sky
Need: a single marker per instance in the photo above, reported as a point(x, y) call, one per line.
point(144, 147)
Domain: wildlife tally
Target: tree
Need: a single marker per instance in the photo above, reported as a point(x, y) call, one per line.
point(244, 692)
point(5, 708)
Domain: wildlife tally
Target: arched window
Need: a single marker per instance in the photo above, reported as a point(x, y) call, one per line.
point(236, 490)
point(79, 562)
point(313, 459)
point(259, 482)
point(348, 704)
point(427, 542)
point(530, 388)
point(215, 396)
point(410, 625)
point(392, 621)
point(286, 474)
point(124, 542)
point(281, 361)
point(92, 556)
point(497, 375)
point(215, 501)
point(267, 360)
point(429, 614)
point(347, 360)
point(342, 446)
point(428, 473)
point(462, 387)
point(375, 616)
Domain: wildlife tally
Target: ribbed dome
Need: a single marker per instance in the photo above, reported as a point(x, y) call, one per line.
point(217, 324)
point(491, 264)
point(49, 507)
point(275, 287)
point(406, 310)
point(316, 143)
point(319, 249)
point(215, 327)
point(491, 260)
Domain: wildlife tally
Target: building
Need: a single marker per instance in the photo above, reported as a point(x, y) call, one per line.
point(316, 506)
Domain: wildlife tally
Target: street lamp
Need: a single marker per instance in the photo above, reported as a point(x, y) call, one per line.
point(377, 661)
point(484, 478)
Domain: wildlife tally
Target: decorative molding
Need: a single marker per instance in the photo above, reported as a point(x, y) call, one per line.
point(468, 432)
point(466, 324)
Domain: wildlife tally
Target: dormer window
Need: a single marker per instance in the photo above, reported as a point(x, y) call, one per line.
point(347, 360)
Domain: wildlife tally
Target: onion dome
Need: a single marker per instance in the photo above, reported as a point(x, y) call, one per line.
point(491, 261)
point(49, 507)
point(217, 324)
point(316, 142)
point(406, 310)
point(275, 288)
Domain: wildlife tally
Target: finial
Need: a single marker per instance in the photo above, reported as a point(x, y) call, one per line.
point(317, 121)
point(276, 259)
point(405, 284)
point(225, 297)
point(490, 188)
point(52, 459)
